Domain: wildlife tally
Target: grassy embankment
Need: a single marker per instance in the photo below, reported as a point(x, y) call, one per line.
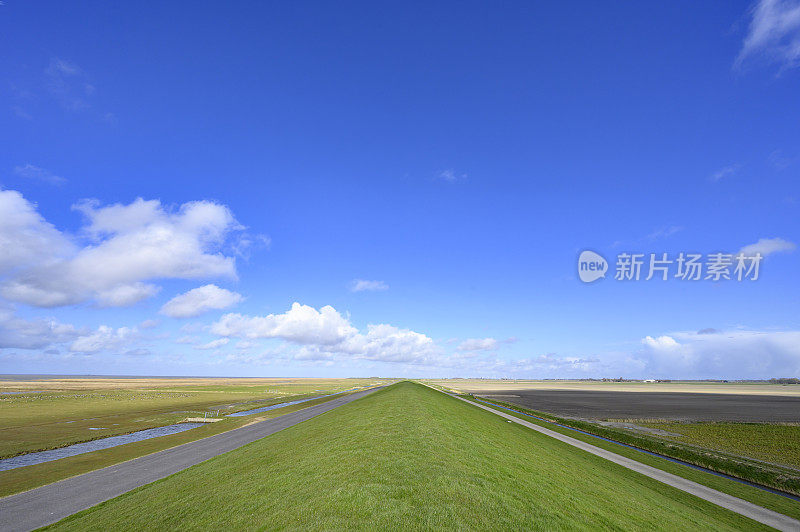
point(762, 498)
point(406, 457)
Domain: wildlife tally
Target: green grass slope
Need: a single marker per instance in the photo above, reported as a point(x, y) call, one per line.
point(406, 457)
point(779, 444)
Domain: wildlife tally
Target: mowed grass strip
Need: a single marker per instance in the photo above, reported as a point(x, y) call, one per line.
point(406, 457)
point(779, 444)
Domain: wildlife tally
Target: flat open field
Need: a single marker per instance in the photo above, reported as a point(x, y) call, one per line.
point(482, 386)
point(678, 406)
point(407, 457)
point(45, 413)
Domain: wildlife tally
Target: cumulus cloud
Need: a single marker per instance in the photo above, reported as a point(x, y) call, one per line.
point(768, 246)
point(392, 344)
point(478, 344)
point(363, 285)
point(16, 332)
point(200, 300)
point(25, 237)
point(104, 339)
point(301, 324)
point(774, 34)
point(213, 344)
point(122, 249)
point(325, 334)
point(36, 173)
point(737, 354)
point(662, 342)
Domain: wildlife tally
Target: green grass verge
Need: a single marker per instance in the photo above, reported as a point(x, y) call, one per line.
point(407, 457)
point(756, 496)
point(29, 477)
point(779, 444)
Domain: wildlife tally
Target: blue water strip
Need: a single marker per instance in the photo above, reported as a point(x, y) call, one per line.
point(93, 445)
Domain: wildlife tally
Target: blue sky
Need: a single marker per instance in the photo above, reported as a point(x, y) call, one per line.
point(418, 178)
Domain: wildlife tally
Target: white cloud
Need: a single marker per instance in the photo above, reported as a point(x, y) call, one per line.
point(301, 324)
point(25, 237)
point(450, 176)
point(68, 84)
point(36, 173)
point(768, 246)
point(391, 344)
point(61, 67)
point(774, 34)
point(125, 295)
point(725, 172)
point(779, 161)
point(325, 334)
point(362, 285)
point(662, 342)
point(21, 113)
point(664, 232)
point(149, 324)
point(213, 344)
point(122, 250)
point(245, 344)
point(104, 339)
point(200, 300)
point(737, 354)
point(478, 344)
point(39, 333)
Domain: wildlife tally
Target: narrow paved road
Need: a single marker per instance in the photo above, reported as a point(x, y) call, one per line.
point(42, 506)
point(747, 509)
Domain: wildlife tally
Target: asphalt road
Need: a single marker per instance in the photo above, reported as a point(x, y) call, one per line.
point(679, 406)
point(42, 506)
point(747, 509)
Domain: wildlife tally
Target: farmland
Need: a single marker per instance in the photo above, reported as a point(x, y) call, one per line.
point(377, 463)
point(504, 386)
point(674, 406)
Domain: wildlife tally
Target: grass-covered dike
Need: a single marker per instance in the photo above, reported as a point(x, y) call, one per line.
point(406, 457)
